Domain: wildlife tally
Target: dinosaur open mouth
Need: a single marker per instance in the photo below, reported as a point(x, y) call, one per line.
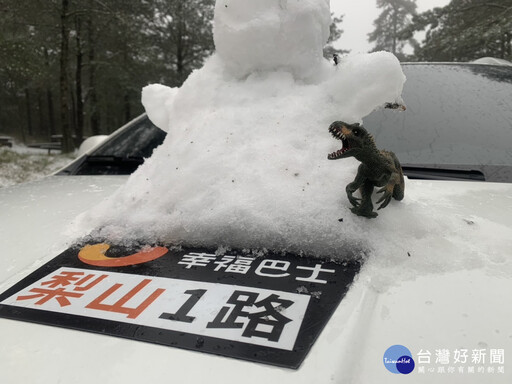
point(336, 133)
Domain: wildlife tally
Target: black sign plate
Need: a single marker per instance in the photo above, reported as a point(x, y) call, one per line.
point(269, 309)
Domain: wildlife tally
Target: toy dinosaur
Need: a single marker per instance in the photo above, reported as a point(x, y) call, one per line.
point(378, 168)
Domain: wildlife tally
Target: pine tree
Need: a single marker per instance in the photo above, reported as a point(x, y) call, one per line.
point(76, 67)
point(388, 35)
point(465, 30)
point(335, 34)
point(182, 32)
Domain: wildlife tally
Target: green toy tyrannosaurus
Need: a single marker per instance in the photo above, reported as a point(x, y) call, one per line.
point(378, 168)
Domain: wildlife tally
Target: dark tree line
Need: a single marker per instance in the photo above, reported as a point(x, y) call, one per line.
point(463, 30)
point(466, 30)
point(76, 68)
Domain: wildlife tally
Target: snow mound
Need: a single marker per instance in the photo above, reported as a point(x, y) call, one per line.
point(244, 164)
point(245, 161)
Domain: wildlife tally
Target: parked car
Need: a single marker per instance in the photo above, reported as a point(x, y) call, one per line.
point(454, 142)
point(457, 124)
point(452, 110)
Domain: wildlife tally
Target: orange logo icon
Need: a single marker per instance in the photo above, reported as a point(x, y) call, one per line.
point(95, 255)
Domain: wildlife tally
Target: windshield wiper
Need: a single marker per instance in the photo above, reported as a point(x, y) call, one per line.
point(429, 173)
point(128, 161)
point(103, 165)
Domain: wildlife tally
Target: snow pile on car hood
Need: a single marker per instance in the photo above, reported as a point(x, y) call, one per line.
point(245, 160)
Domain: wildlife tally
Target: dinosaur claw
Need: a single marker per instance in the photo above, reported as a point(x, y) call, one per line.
point(385, 203)
point(365, 213)
point(385, 198)
point(354, 201)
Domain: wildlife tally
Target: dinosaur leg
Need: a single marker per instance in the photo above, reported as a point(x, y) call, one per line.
point(366, 207)
point(398, 189)
point(354, 186)
point(389, 190)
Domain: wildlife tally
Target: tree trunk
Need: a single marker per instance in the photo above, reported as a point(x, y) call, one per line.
point(51, 112)
point(42, 122)
point(29, 114)
point(509, 45)
point(67, 139)
point(21, 113)
point(51, 130)
point(79, 130)
point(180, 65)
point(72, 116)
point(126, 98)
point(92, 96)
point(395, 29)
point(180, 44)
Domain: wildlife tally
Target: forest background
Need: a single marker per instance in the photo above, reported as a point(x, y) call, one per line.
point(75, 68)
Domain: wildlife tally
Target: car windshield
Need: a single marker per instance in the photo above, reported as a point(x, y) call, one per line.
point(457, 126)
point(122, 153)
point(459, 117)
point(138, 141)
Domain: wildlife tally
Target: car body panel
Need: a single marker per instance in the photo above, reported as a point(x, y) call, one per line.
point(434, 309)
point(49, 206)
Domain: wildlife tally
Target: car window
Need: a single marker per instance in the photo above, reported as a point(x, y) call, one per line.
point(139, 140)
point(122, 153)
point(456, 115)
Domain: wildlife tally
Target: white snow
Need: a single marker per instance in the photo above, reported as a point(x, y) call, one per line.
point(156, 99)
point(90, 143)
point(21, 164)
point(268, 34)
point(245, 164)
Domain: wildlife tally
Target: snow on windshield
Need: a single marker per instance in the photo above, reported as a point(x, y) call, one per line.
point(244, 164)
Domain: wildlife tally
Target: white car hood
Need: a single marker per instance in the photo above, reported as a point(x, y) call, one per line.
point(49, 206)
point(452, 309)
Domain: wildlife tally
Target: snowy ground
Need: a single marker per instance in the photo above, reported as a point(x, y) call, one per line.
point(20, 164)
